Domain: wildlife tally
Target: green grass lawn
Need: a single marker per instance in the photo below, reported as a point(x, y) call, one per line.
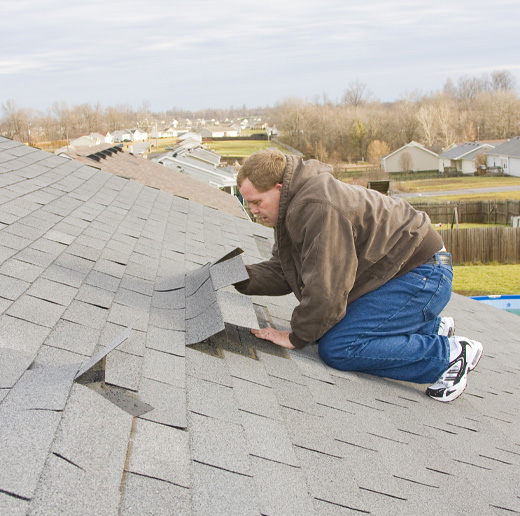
point(241, 148)
point(459, 183)
point(485, 280)
point(455, 183)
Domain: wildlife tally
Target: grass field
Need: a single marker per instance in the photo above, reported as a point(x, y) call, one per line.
point(460, 183)
point(241, 148)
point(485, 280)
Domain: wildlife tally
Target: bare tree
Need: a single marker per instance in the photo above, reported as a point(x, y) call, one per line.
point(502, 80)
point(356, 94)
point(15, 121)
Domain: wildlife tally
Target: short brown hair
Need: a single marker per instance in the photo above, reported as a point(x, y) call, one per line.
point(264, 169)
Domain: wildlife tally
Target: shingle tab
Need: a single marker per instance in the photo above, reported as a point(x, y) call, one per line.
point(222, 493)
point(160, 452)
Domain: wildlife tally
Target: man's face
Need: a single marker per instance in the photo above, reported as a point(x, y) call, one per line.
point(262, 204)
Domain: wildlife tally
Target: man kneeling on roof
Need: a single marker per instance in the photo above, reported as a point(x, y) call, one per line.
point(370, 273)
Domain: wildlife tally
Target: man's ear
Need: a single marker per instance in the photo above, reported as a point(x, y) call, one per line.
point(278, 186)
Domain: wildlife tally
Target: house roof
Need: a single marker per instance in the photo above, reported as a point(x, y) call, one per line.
point(91, 272)
point(155, 175)
point(411, 144)
point(467, 150)
point(510, 148)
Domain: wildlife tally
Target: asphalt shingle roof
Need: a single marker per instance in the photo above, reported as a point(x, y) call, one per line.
point(509, 148)
point(238, 426)
point(153, 174)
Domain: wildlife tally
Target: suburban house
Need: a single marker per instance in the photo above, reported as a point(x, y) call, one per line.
point(199, 163)
point(167, 133)
point(412, 157)
point(506, 156)
point(129, 135)
point(463, 158)
point(130, 383)
point(91, 140)
point(122, 136)
point(190, 135)
point(217, 131)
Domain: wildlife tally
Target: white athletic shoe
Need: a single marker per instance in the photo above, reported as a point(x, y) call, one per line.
point(447, 327)
point(453, 381)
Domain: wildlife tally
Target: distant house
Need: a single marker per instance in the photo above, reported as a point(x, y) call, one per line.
point(463, 158)
point(158, 133)
point(122, 136)
point(88, 141)
point(190, 136)
point(199, 163)
point(506, 156)
point(412, 157)
point(217, 131)
point(139, 135)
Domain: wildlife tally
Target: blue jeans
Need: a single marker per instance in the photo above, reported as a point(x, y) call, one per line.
point(392, 331)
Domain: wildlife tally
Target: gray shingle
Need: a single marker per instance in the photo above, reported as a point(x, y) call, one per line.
point(21, 270)
point(213, 400)
point(331, 479)
point(222, 493)
point(21, 335)
point(12, 505)
point(204, 325)
point(219, 443)
point(36, 310)
point(201, 300)
point(281, 489)
point(268, 438)
point(257, 399)
point(71, 336)
point(228, 272)
point(160, 452)
point(84, 313)
point(168, 341)
point(48, 290)
point(13, 364)
point(237, 309)
point(12, 288)
point(84, 472)
point(26, 439)
point(206, 367)
point(145, 496)
point(164, 367)
point(168, 401)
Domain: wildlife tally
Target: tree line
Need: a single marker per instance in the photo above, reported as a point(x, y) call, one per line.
point(356, 127)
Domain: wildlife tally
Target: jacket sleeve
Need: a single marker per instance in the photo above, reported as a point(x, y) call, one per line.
point(329, 264)
point(265, 278)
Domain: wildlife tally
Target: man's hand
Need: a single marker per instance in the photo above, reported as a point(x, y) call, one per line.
point(280, 338)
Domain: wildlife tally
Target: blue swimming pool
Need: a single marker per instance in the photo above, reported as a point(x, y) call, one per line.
point(509, 303)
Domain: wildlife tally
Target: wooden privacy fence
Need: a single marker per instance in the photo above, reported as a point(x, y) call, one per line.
point(479, 212)
point(492, 244)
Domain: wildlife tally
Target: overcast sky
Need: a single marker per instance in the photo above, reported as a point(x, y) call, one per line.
point(216, 54)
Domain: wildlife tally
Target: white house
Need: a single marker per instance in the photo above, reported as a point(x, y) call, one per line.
point(506, 156)
point(139, 135)
point(122, 136)
point(412, 157)
point(220, 131)
point(463, 158)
